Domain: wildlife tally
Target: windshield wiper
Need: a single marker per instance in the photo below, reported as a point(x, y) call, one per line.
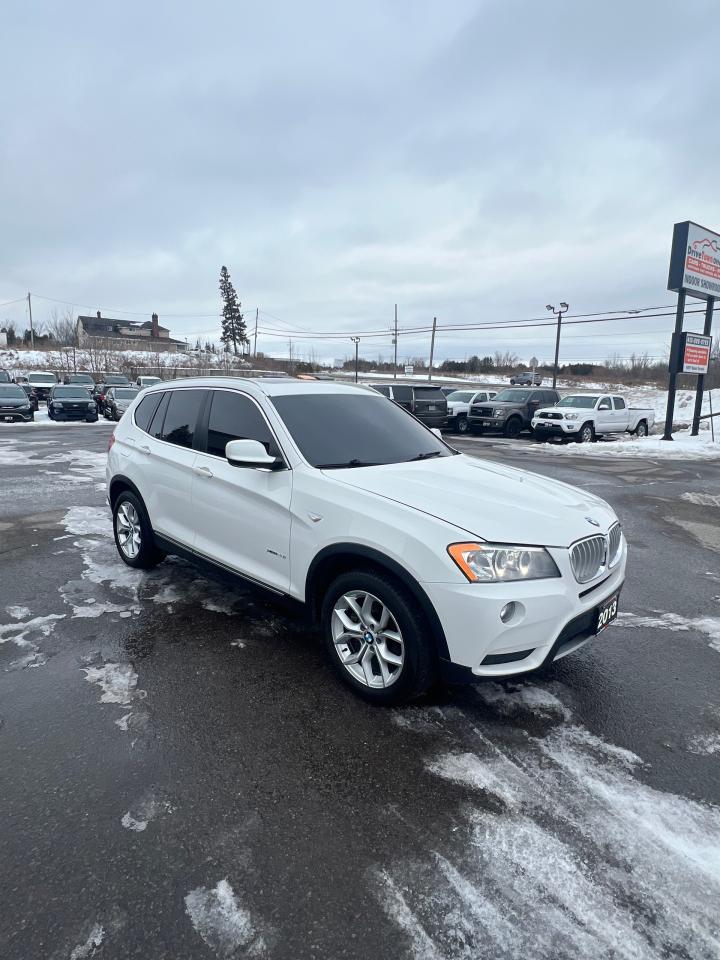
point(348, 463)
point(426, 456)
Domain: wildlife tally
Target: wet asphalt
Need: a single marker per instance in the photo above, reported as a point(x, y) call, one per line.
point(247, 805)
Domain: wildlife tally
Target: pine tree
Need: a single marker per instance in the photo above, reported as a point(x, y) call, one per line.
point(233, 326)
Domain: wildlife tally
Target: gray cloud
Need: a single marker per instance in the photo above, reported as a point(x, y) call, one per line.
point(468, 160)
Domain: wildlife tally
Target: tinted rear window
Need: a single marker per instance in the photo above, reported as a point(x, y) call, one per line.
point(116, 380)
point(145, 410)
point(43, 378)
point(181, 417)
point(121, 394)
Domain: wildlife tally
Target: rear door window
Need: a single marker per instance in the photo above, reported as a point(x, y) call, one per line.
point(146, 410)
point(182, 416)
point(385, 391)
point(235, 417)
point(402, 394)
point(619, 403)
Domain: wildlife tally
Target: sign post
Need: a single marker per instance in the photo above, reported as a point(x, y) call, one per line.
point(701, 377)
point(694, 272)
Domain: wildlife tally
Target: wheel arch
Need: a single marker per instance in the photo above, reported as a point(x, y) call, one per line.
point(120, 483)
point(339, 558)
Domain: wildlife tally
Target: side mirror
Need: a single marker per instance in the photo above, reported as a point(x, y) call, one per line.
point(436, 432)
point(251, 453)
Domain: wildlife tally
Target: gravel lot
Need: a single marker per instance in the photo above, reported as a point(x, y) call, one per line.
point(182, 777)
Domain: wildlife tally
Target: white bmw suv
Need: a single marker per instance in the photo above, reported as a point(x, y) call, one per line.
point(416, 560)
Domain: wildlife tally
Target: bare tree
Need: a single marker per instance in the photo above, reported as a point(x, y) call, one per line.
point(61, 327)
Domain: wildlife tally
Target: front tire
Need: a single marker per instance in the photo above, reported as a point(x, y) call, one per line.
point(462, 425)
point(377, 638)
point(513, 428)
point(134, 536)
point(586, 434)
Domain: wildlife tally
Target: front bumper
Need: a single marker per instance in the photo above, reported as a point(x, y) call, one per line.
point(13, 416)
point(486, 423)
point(553, 617)
point(75, 416)
point(558, 428)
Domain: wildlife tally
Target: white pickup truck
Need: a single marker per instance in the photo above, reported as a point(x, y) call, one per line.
point(583, 417)
point(459, 403)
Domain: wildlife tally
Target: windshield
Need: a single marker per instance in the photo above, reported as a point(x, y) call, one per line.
point(513, 396)
point(75, 393)
point(116, 380)
point(335, 430)
point(462, 396)
point(12, 391)
point(120, 394)
point(577, 402)
point(43, 378)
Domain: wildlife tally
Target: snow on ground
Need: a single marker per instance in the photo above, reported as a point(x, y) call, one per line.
point(710, 626)
point(148, 808)
point(222, 922)
point(118, 682)
point(560, 827)
point(93, 943)
point(683, 447)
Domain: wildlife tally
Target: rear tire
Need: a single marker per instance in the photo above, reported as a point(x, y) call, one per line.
point(642, 429)
point(134, 537)
point(513, 428)
point(358, 644)
point(586, 433)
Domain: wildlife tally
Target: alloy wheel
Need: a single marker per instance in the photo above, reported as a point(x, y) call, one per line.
point(368, 639)
point(129, 534)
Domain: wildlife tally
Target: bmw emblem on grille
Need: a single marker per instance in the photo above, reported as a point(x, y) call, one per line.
point(595, 523)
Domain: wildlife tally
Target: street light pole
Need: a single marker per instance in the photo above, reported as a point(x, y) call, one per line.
point(559, 314)
point(356, 341)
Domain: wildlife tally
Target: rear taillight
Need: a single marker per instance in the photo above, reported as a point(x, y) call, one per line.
point(111, 441)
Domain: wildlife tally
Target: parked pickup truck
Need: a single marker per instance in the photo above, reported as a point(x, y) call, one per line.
point(459, 403)
point(511, 411)
point(583, 417)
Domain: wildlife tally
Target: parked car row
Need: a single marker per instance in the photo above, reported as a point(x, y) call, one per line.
point(541, 412)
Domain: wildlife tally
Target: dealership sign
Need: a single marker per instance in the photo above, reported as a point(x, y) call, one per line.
point(695, 353)
point(695, 261)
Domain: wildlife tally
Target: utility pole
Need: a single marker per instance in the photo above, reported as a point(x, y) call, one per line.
point(32, 332)
point(395, 342)
point(709, 307)
point(257, 311)
point(432, 348)
point(356, 341)
point(558, 313)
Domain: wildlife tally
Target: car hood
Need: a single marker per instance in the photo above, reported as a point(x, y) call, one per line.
point(489, 501)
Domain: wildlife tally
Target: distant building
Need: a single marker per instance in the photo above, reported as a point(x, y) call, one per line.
point(104, 333)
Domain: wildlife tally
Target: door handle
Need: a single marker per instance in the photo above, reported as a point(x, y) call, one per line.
point(204, 472)
point(145, 449)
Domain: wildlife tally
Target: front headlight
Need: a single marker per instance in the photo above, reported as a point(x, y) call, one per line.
point(56, 403)
point(571, 416)
point(91, 406)
point(498, 413)
point(500, 562)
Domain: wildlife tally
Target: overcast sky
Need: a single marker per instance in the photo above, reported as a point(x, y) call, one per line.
point(470, 160)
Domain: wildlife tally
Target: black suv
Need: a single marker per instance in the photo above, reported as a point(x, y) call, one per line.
point(511, 411)
point(426, 402)
point(72, 403)
point(14, 404)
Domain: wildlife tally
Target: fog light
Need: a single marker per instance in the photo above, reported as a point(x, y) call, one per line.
point(507, 612)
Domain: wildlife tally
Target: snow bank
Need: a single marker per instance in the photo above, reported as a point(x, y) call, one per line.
point(683, 447)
